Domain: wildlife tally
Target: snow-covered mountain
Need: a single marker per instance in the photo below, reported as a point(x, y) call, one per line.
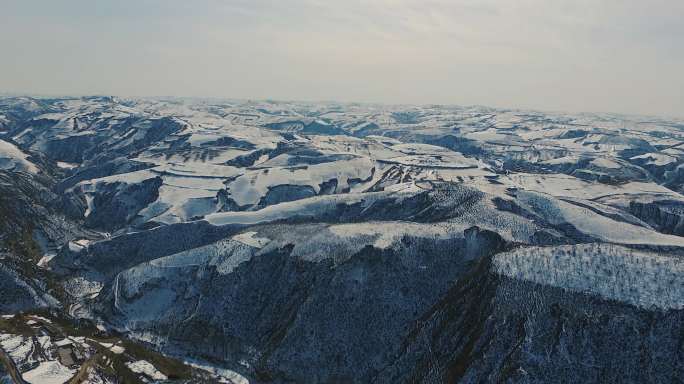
point(303, 242)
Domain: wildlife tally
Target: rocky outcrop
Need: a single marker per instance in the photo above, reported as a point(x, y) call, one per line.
point(493, 328)
point(665, 216)
point(116, 204)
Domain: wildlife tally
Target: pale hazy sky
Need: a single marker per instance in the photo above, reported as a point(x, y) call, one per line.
point(576, 55)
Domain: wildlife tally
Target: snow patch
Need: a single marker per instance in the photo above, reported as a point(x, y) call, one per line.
point(41, 318)
point(49, 372)
point(45, 260)
point(602, 162)
point(225, 376)
point(249, 238)
point(657, 159)
point(144, 367)
point(19, 348)
point(14, 159)
point(65, 165)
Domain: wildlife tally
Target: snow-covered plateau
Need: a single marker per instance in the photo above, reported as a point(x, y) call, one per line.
point(193, 241)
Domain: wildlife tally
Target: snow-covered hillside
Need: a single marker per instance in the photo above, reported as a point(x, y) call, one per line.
point(327, 242)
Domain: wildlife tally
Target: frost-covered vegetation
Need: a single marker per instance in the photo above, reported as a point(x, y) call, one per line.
point(645, 279)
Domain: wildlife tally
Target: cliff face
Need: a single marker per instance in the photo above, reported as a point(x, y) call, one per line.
point(665, 216)
point(417, 311)
point(31, 226)
point(434, 302)
point(494, 328)
point(285, 315)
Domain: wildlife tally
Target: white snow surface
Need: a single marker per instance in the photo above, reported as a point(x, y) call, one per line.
point(65, 165)
point(305, 207)
point(602, 162)
point(49, 372)
point(253, 185)
point(594, 224)
point(657, 159)
point(14, 159)
point(146, 368)
point(250, 238)
point(18, 347)
point(223, 375)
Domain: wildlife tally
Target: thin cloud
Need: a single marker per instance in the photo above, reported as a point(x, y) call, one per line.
point(581, 55)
